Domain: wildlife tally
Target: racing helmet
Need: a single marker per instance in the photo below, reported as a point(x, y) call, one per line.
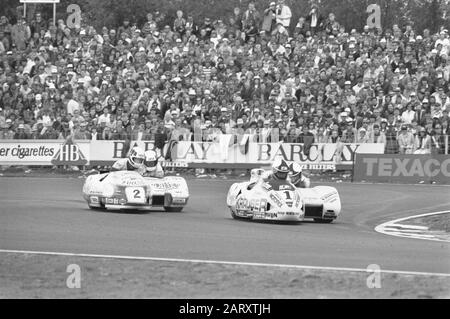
point(280, 169)
point(150, 161)
point(136, 157)
point(296, 173)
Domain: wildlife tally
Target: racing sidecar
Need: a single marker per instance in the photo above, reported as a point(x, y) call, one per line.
point(128, 190)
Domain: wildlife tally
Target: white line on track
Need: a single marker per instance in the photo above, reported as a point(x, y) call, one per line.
point(179, 260)
point(412, 231)
point(400, 230)
point(415, 236)
point(411, 227)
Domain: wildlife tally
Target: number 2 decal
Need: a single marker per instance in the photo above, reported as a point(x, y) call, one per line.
point(137, 193)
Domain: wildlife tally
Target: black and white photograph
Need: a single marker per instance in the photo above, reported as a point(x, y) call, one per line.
point(226, 151)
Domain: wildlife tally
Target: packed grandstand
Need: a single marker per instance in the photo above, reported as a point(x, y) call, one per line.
point(261, 76)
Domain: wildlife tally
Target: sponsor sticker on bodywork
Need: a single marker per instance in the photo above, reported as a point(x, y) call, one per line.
point(255, 205)
point(131, 182)
point(276, 199)
point(329, 197)
point(271, 215)
point(179, 201)
point(94, 199)
point(166, 185)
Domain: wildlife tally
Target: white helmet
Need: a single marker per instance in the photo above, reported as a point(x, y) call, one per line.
point(296, 173)
point(136, 157)
point(151, 160)
point(280, 169)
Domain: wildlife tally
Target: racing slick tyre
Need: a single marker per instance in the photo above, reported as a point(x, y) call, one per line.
point(96, 208)
point(323, 221)
point(233, 214)
point(173, 209)
point(102, 207)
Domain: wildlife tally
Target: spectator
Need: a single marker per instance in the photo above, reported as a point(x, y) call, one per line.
point(362, 136)
point(250, 30)
point(141, 134)
point(38, 25)
point(283, 14)
point(82, 133)
point(405, 141)
point(235, 22)
point(5, 37)
point(207, 28)
point(179, 25)
point(334, 137)
point(300, 27)
point(306, 138)
point(20, 34)
point(437, 141)
point(377, 135)
point(251, 18)
point(349, 135)
point(125, 29)
point(5, 28)
point(6, 133)
point(95, 136)
point(161, 137)
point(391, 146)
point(279, 32)
point(314, 20)
point(119, 134)
point(106, 135)
point(269, 20)
point(21, 134)
point(422, 143)
point(321, 136)
point(408, 115)
point(49, 133)
point(331, 26)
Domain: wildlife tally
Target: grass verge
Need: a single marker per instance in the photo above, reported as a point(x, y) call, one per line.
point(440, 222)
point(39, 276)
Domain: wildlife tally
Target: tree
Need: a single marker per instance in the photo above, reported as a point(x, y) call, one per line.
point(436, 15)
point(351, 13)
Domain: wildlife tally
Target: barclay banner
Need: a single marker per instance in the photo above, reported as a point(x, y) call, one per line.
point(223, 153)
point(411, 169)
point(265, 153)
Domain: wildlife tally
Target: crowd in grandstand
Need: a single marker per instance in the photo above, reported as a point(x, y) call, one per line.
point(268, 74)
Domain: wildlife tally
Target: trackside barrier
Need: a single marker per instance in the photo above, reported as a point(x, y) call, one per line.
point(224, 153)
point(44, 152)
point(409, 169)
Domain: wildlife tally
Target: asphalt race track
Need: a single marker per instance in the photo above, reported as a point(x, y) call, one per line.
point(49, 214)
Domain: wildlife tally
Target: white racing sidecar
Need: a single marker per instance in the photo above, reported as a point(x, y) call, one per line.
point(127, 190)
point(280, 200)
